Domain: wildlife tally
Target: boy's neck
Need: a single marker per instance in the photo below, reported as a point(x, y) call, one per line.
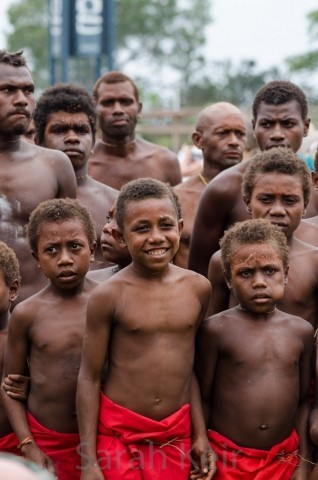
point(68, 292)
point(148, 274)
point(257, 316)
point(4, 319)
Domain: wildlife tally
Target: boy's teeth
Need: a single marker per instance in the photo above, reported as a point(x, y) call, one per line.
point(157, 252)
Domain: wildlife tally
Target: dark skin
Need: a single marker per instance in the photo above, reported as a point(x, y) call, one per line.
point(72, 134)
point(221, 135)
point(120, 156)
point(113, 251)
point(279, 198)
point(29, 174)
point(138, 378)
point(35, 338)
point(8, 294)
point(308, 228)
point(254, 357)
point(275, 125)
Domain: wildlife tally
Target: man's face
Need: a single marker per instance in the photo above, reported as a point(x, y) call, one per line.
point(222, 140)
point(117, 110)
point(280, 125)
point(17, 100)
point(72, 134)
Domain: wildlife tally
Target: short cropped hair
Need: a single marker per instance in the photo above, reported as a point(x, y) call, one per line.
point(15, 59)
point(9, 265)
point(142, 189)
point(55, 211)
point(279, 92)
point(251, 232)
point(112, 78)
point(280, 160)
point(63, 97)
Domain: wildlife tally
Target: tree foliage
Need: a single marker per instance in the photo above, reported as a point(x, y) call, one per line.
point(308, 61)
point(163, 33)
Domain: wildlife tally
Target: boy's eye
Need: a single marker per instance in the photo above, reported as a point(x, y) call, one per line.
point(245, 273)
point(270, 271)
point(51, 250)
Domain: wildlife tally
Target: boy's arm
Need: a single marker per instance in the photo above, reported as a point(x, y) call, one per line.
point(301, 424)
point(204, 460)
point(16, 361)
point(205, 362)
point(220, 296)
point(94, 354)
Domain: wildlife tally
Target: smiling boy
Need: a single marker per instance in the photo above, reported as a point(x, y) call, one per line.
point(142, 416)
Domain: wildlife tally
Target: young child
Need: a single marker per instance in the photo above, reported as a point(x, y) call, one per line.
point(143, 320)
point(253, 364)
point(9, 286)
point(46, 333)
point(276, 186)
point(113, 251)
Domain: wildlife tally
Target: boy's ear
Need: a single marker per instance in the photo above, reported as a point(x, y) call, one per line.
point(286, 276)
point(307, 125)
point(247, 202)
point(13, 290)
point(314, 180)
point(180, 225)
point(228, 281)
point(92, 249)
point(35, 256)
point(119, 236)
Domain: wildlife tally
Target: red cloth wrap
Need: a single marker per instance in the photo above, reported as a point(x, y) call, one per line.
point(241, 463)
point(60, 447)
point(133, 447)
point(9, 444)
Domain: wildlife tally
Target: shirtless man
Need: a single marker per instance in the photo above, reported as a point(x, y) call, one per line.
point(65, 120)
point(280, 118)
point(276, 186)
point(142, 415)
point(29, 174)
point(253, 364)
point(220, 133)
point(120, 156)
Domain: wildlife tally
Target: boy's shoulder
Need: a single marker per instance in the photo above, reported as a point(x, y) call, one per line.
point(293, 322)
point(190, 278)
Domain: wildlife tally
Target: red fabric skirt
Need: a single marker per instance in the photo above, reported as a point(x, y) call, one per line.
point(60, 447)
point(239, 463)
point(133, 447)
point(9, 444)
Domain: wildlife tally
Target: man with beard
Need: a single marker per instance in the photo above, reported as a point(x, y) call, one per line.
point(119, 156)
point(29, 174)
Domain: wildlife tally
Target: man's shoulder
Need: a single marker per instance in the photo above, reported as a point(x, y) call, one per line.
point(103, 190)
point(158, 151)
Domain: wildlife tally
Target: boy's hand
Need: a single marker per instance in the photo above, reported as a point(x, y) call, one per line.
point(204, 460)
point(32, 452)
point(17, 386)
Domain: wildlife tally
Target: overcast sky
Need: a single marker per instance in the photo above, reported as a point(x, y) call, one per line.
point(265, 30)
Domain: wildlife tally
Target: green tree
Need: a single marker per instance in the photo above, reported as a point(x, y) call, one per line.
point(166, 33)
point(308, 61)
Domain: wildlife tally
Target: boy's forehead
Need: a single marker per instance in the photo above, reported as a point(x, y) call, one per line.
point(255, 253)
point(278, 181)
point(160, 207)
